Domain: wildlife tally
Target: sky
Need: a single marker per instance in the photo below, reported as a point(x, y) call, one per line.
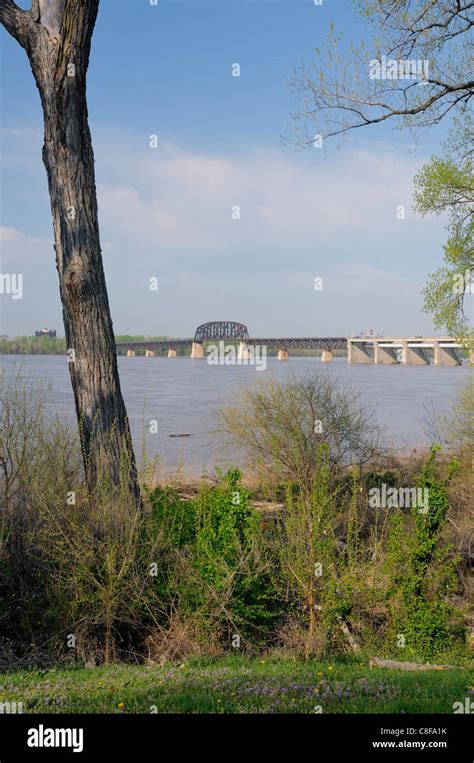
point(165, 213)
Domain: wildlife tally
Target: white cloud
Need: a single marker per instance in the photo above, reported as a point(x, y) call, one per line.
point(19, 249)
point(167, 213)
point(175, 199)
point(366, 277)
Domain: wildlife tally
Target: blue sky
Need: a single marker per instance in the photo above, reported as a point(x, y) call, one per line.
point(167, 213)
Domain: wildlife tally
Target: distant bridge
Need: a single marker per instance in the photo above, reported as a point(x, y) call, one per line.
point(231, 331)
point(221, 331)
point(377, 350)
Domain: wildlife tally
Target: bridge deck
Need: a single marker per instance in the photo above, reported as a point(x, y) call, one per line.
point(298, 343)
point(285, 343)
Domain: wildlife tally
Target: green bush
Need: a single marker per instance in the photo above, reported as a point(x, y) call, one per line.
point(419, 570)
point(430, 623)
point(216, 562)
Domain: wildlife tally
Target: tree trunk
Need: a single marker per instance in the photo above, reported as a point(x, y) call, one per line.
point(311, 637)
point(56, 35)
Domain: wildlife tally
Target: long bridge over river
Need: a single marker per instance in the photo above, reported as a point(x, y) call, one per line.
point(360, 349)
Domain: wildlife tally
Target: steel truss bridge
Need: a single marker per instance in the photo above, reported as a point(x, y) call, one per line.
point(303, 343)
point(231, 331)
point(221, 331)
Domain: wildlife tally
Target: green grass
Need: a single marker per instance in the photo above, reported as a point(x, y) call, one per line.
point(236, 685)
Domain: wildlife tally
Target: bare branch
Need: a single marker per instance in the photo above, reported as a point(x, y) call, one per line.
point(419, 72)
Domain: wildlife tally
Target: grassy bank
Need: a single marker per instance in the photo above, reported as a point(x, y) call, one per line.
point(237, 685)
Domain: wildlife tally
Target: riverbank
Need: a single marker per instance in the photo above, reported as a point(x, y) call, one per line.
point(303, 555)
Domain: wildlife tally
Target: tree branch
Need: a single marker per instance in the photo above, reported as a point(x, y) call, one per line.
point(348, 93)
point(17, 22)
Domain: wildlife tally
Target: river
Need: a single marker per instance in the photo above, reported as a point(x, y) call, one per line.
point(181, 395)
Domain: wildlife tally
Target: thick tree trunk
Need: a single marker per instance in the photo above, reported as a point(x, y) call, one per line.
point(69, 162)
point(56, 35)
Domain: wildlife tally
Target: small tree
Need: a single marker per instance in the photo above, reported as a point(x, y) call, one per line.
point(308, 544)
point(454, 427)
point(283, 423)
point(446, 185)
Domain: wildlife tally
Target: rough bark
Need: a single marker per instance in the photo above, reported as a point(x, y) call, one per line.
point(56, 35)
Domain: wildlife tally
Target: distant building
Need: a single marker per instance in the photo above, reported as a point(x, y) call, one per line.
point(46, 332)
point(369, 334)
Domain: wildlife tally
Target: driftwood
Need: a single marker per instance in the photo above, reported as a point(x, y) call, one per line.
point(376, 662)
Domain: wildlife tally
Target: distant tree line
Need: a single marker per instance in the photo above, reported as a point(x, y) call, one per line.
point(45, 345)
point(33, 345)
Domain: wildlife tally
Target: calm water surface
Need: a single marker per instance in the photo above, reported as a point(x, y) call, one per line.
point(181, 394)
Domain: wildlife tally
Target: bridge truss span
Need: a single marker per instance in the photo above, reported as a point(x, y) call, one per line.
point(221, 331)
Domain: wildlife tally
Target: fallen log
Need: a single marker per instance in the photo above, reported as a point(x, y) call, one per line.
point(376, 662)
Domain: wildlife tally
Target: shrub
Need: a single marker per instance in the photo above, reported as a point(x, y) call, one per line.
point(284, 423)
point(216, 564)
point(417, 573)
point(72, 581)
point(454, 428)
point(310, 565)
point(430, 623)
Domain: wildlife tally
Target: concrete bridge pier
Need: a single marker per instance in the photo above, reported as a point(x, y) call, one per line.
point(445, 356)
point(197, 350)
point(130, 353)
point(384, 355)
point(171, 353)
point(413, 355)
point(357, 352)
point(149, 354)
point(326, 356)
point(282, 355)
